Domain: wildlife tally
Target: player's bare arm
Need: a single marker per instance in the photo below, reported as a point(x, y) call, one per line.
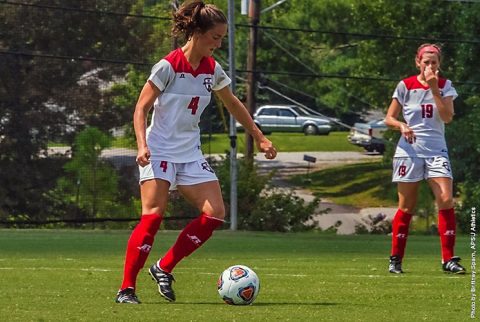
point(444, 104)
point(145, 102)
point(392, 121)
point(238, 110)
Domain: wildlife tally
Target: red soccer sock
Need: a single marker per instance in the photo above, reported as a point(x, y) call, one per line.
point(400, 225)
point(194, 235)
point(447, 230)
point(138, 247)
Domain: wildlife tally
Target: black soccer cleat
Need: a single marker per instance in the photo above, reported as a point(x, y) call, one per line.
point(164, 281)
point(395, 265)
point(452, 266)
point(127, 295)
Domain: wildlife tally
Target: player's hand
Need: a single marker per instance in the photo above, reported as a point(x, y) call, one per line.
point(431, 77)
point(266, 146)
point(408, 134)
point(143, 156)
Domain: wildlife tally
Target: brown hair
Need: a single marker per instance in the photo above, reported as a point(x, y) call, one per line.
point(196, 16)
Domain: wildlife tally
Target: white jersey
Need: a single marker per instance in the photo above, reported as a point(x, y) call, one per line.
point(421, 115)
point(174, 134)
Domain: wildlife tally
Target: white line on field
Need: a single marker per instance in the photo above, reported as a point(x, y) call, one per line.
point(94, 269)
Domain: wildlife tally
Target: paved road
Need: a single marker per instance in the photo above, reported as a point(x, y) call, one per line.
point(285, 160)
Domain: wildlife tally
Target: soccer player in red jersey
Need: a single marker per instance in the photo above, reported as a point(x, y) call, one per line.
point(179, 89)
point(426, 102)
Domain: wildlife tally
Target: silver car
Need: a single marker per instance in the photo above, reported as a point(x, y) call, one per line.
point(290, 118)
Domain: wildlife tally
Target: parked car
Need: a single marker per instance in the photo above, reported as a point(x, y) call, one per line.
point(290, 118)
point(369, 135)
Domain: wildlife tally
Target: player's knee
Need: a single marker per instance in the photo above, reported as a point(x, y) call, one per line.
point(407, 209)
point(445, 201)
point(218, 211)
point(146, 209)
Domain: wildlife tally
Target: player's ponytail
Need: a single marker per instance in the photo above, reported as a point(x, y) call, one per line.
point(196, 16)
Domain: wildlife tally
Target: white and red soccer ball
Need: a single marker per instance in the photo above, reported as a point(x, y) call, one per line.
point(238, 285)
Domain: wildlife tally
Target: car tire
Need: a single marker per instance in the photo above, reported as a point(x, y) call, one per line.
point(310, 130)
point(380, 149)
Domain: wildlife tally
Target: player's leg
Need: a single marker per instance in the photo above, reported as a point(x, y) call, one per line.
point(407, 200)
point(155, 181)
point(407, 173)
point(443, 191)
point(198, 184)
point(207, 198)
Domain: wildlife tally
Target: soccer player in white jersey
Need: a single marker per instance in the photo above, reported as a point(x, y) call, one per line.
point(426, 103)
point(179, 89)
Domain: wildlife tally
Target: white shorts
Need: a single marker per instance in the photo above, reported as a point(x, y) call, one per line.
point(183, 174)
point(417, 169)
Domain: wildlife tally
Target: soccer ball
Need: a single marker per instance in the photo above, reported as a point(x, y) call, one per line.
point(238, 285)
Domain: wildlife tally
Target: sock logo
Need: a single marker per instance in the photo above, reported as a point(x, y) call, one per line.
point(403, 236)
point(449, 233)
point(194, 239)
point(145, 248)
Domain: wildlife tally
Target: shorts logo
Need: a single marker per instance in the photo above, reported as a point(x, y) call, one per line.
point(446, 166)
point(402, 170)
point(207, 82)
point(206, 167)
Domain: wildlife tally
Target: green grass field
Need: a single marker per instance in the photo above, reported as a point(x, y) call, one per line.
point(284, 142)
point(71, 275)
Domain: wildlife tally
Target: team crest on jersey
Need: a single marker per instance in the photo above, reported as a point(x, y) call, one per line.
point(207, 82)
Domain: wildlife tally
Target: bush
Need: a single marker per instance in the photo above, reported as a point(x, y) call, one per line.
point(260, 206)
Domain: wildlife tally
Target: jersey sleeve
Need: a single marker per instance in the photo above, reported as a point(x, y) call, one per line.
point(449, 90)
point(221, 78)
point(161, 75)
point(400, 92)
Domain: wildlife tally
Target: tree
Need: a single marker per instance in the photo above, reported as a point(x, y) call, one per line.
point(45, 96)
point(90, 183)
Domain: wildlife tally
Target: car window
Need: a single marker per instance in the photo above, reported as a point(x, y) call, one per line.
point(300, 111)
point(268, 111)
point(283, 112)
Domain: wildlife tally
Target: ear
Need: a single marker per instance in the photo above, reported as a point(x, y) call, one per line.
point(417, 63)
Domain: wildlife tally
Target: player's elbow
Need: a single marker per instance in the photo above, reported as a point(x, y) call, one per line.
point(447, 119)
point(389, 121)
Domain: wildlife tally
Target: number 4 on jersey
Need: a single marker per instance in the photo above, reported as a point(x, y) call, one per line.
point(194, 104)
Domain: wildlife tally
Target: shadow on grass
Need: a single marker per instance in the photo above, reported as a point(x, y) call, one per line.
point(252, 305)
point(372, 180)
point(334, 176)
